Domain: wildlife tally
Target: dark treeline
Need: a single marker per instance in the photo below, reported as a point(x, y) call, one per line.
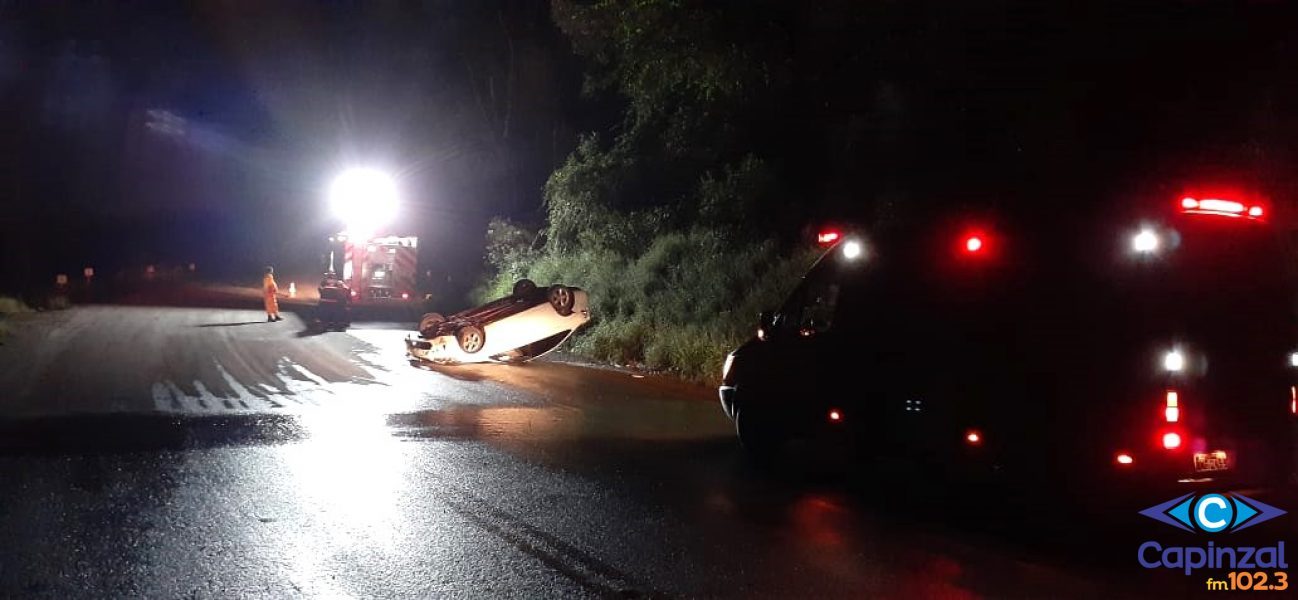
point(747, 124)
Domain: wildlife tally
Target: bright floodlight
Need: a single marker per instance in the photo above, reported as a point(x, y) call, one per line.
point(364, 199)
point(1173, 361)
point(1145, 241)
point(851, 249)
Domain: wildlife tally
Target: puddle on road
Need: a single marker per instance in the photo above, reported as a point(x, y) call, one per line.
point(537, 401)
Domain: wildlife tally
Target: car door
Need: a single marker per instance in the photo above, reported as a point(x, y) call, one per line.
point(806, 342)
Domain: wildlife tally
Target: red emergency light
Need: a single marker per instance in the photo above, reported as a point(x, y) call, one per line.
point(1221, 208)
point(975, 243)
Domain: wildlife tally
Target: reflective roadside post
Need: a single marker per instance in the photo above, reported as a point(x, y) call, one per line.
point(59, 299)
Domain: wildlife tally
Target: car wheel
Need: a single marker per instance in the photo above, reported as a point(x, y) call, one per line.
point(428, 324)
point(757, 434)
point(471, 338)
point(561, 299)
point(524, 287)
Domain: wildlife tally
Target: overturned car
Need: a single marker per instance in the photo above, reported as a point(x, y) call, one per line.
point(526, 324)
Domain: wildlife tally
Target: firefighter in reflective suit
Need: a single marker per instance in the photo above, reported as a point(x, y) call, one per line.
point(269, 291)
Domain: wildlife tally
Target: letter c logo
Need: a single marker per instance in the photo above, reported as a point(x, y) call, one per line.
point(1220, 509)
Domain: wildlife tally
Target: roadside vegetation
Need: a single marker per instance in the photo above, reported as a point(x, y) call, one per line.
point(678, 222)
point(8, 306)
point(677, 304)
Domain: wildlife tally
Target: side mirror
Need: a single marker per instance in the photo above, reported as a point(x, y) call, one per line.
point(765, 321)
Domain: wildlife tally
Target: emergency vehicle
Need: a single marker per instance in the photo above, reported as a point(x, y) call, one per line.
point(1149, 345)
point(376, 269)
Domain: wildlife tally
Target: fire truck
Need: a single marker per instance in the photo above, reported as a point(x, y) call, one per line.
point(377, 269)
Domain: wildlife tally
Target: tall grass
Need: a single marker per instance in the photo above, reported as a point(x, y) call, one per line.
point(679, 306)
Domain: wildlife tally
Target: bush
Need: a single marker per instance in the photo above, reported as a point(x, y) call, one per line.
point(9, 305)
point(678, 307)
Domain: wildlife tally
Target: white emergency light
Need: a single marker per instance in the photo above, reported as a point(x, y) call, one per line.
point(852, 250)
point(364, 200)
point(1174, 361)
point(1145, 242)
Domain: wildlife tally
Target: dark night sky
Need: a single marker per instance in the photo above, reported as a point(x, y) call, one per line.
point(209, 132)
point(155, 131)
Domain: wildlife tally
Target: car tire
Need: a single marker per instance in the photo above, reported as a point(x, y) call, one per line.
point(524, 287)
point(757, 434)
point(428, 324)
point(471, 338)
point(562, 299)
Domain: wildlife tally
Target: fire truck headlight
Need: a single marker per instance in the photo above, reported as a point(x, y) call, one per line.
point(363, 199)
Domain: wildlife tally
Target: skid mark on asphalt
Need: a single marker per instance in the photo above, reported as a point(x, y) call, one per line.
point(298, 387)
point(365, 368)
point(577, 565)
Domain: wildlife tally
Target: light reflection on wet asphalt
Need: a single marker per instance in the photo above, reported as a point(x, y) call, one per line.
point(545, 480)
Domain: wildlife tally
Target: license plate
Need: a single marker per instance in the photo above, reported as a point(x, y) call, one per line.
point(1211, 461)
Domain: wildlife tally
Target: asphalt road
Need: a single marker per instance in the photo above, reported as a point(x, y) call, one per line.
point(203, 453)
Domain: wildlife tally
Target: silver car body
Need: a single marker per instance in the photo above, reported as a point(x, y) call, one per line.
point(516, 337)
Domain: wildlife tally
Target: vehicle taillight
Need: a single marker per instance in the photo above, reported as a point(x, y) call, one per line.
point(1172, 412)
point(828, 237)
point(973, 437)
point(1171, 440)
point(1293, 400)
point(405, 295)
point(1124, 459)
point(973, 243)
point(835, 415)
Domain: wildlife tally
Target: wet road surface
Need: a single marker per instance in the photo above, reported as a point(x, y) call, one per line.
point(204, 453)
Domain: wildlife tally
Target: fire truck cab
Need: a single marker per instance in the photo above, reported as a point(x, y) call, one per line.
point(377, 269)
